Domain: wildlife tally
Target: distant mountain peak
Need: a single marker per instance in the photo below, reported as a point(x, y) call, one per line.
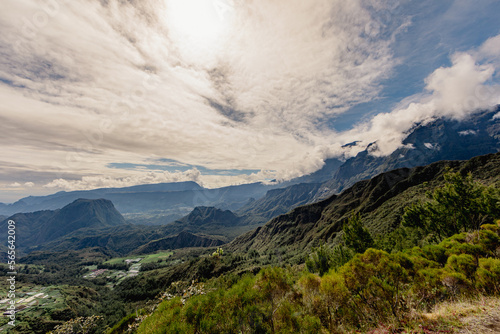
point(42, 226)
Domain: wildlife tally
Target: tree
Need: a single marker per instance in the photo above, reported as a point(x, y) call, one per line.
point(460, 205)
point(356, 236)
point(319, 260)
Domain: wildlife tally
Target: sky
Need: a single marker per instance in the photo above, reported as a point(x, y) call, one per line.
point(112, 93)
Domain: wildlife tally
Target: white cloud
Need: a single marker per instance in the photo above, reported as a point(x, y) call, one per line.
point(467, 133)
point(454, 92)
point(88, 83)
point(490, 49)
point(93, 182)
point(137, 177)
point(457, 89)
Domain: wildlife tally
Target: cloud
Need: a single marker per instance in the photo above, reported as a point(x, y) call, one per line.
point(150, 177)
point(291, 63)
point(431, 146)
point(468, 133)
point(22, 186)
point(490, 49)
point(85, 84)
point(455, 92)
point(93, 182)
point(89, 82)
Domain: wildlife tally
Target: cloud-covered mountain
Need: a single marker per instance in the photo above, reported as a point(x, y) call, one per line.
point(440, 139)
point(206, 211)
point(427, 142)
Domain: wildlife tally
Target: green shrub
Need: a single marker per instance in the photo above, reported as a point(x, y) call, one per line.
point(460, 205)
point(488, 276)
point(464, 264)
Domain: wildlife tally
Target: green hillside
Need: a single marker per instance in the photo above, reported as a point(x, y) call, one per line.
point(347, 264)
point(380, 202)
point(375, 292)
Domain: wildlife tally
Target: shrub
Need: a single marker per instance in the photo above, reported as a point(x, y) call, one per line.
point(488, 276)
point(460, 205)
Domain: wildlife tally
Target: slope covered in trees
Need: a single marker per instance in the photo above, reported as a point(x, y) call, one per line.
point(369, 274)
point(380, 202)
point(374, 289)
point(357, 285)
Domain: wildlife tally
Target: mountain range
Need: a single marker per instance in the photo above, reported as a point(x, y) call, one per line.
point(379, 201)
point(96, 223)
point(440, 139)
point(37, 228)
point(153, 204)
point(186, 215)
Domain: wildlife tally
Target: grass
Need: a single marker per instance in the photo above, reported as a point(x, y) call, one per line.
point(117, 260)
point(158, 256)
point(145, 258)
point(477, 315)
point(463, 316)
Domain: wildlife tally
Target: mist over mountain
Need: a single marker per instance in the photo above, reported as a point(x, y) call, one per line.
point(441, 139)
point(148, 204)
point(282, 200)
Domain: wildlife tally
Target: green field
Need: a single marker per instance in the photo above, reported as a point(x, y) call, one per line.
point(145, 258)
point(158, 256)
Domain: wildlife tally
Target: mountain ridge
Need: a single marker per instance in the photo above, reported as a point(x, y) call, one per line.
point(39, 227)
point(308, 225)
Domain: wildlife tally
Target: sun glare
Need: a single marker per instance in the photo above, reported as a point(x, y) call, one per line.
point(198, 26)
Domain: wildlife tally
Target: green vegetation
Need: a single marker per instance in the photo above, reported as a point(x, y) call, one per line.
point(355, 262)
point(81, 325)
point(374, 288)
point(460, 205)
point(60, 291)
point(356, 288)
point(162, 256)
point(144, 258)
point(356, 236)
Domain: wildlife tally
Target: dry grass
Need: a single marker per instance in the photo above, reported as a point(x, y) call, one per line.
point(478, 315)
